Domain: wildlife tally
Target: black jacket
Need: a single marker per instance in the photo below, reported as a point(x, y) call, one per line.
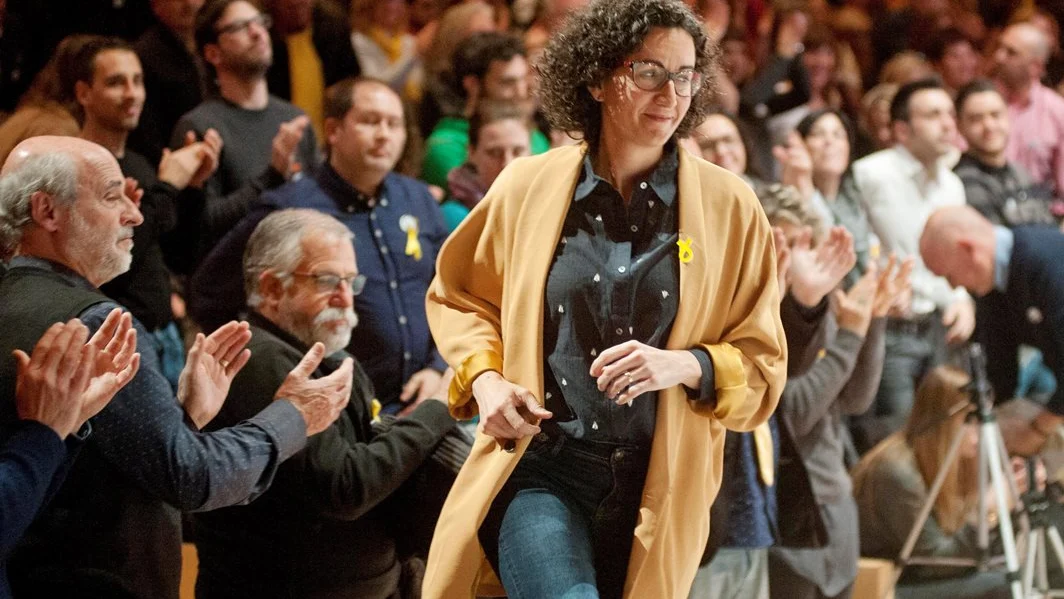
point(1030, 311)
point(321, 529)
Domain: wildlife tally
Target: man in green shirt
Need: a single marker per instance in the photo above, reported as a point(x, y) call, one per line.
point(489, 66)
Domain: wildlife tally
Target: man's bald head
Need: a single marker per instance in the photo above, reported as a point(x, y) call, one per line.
point(1021, 56)
point(63, 199)
point(958, 243)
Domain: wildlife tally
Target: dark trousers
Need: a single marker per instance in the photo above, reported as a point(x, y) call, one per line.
point(563, 523)
point(913, 347)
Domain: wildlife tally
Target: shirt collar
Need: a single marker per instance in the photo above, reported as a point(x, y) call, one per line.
point(662, 179)
point(59, 269)
point(1004, 239)
point(909, 165)
point(345, 195)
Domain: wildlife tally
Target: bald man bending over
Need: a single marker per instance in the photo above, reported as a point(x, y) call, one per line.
point(1035, 111)
point(1017, 277)
point(113, 529)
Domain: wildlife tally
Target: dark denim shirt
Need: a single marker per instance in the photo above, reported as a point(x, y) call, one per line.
point(615, 277)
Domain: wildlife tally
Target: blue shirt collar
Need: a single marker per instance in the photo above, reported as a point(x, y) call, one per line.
point(1003, 242)
point(662, 180)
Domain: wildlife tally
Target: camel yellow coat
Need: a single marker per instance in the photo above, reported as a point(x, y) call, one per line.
point(485, 309)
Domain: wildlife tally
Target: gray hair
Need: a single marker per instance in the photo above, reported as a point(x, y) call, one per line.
point(276, 244)
point(53, 173)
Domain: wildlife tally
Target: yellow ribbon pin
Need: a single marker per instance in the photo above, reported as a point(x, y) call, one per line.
point(686, 253)
point(409, 224)
point(375, 410)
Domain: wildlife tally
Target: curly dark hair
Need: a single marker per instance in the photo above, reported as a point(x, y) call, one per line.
point(595, 41)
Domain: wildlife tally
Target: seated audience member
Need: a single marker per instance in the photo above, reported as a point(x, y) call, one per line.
point(1036, 112)
point(1018, 277)
point(549, 18)
point(175, 80)
point(891, 485)
point(386, 50)
point(311, 51)
point(488, 66)
point(955, 58)
point(398, 232)
point(108, 83)
point(875, 119)
point(998, 188)
point(57, 390)
point(46, 107)
point(906, 67)
point(270, 140)
point(719, 140)
point(498, 133)
point(828, 137)
point(437, 43)
point(301, 281)
point(842, 381)
point(898, 188)
point(113, 528)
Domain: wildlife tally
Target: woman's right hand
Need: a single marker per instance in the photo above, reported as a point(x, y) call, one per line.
point(507, 411)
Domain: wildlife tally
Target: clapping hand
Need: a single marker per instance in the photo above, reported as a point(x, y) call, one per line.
point(115, 361)
point(320, 401)
point(816, 272)
point(212, 363)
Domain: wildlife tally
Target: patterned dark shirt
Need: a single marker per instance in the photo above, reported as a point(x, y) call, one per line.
point(615, 277)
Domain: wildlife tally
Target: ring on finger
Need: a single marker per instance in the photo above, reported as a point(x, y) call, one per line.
point(224, 363)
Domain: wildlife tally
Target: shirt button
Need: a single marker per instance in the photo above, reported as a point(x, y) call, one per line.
point(634, 228)
point(372, 216)
point(350, 209)
point(620, 331)
point(394, 284)
point(384, 250)
point(384, 202)
point(643, 185)
point(402, 320)
point(621, 269)
point(378, 233)
point(406, 355)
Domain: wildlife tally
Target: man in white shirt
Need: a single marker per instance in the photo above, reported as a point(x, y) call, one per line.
point(899, 188)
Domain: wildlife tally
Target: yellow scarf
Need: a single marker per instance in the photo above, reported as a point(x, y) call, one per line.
point(391, 43)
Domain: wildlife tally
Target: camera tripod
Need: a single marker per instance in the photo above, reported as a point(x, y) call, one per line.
point(1044, 509)
point(993, 459)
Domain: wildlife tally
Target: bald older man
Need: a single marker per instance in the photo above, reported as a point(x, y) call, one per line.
point(1018, 277)
point(1035, 111)
point(113, 528)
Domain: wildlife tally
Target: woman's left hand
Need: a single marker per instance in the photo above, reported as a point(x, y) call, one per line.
point(632, 368)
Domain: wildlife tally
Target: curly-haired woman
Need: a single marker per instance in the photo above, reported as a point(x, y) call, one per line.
point(609, 308)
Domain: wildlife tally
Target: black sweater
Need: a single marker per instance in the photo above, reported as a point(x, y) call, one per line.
point(320, 528)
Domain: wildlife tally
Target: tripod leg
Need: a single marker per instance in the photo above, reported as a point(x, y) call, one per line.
point(997, 479)
point(929, 503)
point(1043, 574)
point(1058, 546)
point(1028, 565)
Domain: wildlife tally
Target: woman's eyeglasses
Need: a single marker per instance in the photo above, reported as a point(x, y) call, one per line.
point(651, 76)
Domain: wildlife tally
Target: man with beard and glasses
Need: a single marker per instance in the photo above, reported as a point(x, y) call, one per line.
point(270, 139)
point(108, 83)
point(113, 528)
point(398, 233)
point(301, 280)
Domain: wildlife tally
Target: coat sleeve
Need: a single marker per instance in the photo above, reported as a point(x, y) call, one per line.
point(750, 359)
point(464, 300)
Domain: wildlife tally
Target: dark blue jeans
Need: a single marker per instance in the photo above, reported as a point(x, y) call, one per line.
point(562, 525)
